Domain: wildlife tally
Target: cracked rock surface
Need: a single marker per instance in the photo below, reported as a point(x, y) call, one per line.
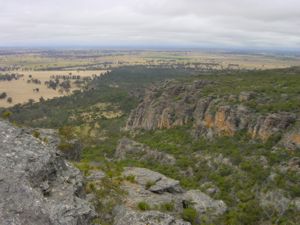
point(37, 186)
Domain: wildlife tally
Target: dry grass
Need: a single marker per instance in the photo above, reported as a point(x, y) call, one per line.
point(21, 91)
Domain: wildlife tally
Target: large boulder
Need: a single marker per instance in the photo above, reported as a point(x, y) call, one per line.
point(127, 216)
point(203, 203)
point(133, 150)
point(37, 186)
point(144, 189)
point(275, 200)
point(153, 181)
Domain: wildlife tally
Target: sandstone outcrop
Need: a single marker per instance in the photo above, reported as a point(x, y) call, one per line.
point(175, 104)
point(291, 139)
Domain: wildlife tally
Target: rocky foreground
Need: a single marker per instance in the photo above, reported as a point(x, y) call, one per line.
point(37, 186)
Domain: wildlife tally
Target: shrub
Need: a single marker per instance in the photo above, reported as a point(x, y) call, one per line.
point(149, 184)
point(143, 206)
point(6, 114)
point(190, 215)
point(9, 100)
point(90, 187)
point(46, 140)
point(130, 178)
point(245, 213)
point(167, 207)
point(65, 147)
point(66, 132)
point(36, 134)
point(3, 95)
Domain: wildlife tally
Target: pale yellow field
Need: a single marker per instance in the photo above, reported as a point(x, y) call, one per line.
point(245, 61)
point(36, 61)
point(29, 63)
point(46, 74)
point(20, 91)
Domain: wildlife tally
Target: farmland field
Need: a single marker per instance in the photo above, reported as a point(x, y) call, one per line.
point(21, 90)
point(37, 66)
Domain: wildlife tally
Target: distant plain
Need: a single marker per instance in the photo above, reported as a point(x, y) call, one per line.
point(41, 64)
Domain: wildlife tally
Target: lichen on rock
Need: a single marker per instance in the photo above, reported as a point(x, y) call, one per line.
point(37, 186)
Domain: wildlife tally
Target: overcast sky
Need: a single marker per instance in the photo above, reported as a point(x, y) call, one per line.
point(190, 23)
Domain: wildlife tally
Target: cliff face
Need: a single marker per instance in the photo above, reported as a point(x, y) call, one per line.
point(37, 186)
point(175, 104)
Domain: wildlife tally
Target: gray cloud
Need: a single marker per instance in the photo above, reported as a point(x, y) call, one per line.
point(198, 23)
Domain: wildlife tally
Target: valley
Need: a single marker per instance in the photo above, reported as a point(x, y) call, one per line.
point(179, 144)
point(135, 112)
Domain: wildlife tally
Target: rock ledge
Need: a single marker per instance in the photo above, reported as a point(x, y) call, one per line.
point(37, 186)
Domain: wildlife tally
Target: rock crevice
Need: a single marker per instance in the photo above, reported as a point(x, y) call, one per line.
point(37, 186)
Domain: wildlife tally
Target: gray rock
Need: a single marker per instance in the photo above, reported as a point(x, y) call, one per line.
point(138, 191)
point(36, 185)
point(72, 149)
point(296, 203)
point(159, 183)
point(48, 136)
point(292, 164)
point(204, 204)
point(95, 175)
point(212, 190)
point(137, 194)
point(127, 216)
point(246, 96)
point(275, 200)
point(130, 149)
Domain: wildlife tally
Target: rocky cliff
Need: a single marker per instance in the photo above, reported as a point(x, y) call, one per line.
point(37, 186)
point(175, 104)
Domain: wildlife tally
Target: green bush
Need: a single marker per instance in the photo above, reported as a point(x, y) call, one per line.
point(65, 147)
point(149, 184)
point(167, 207)
point(245, 213)
point(130, 178)
point(36, 134)
point(143, 206)
point(190, 215)
point(6, 114)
